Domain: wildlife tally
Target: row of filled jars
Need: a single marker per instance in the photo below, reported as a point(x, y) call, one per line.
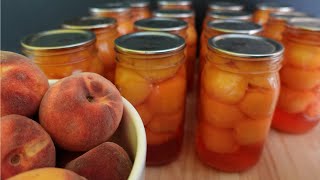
point(152, 63)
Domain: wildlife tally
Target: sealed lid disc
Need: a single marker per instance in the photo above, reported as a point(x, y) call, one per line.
point(248, 46)
point(57, 39)
point(89, 23)
point(174, 2)
point(173, 13)
point(226, 6)
point(287, 15)
point(149, 43)
point(241, 15)
point(311, 24)
point(275, 6)
point(235, 26)
point(160, 24)
point(139, 3)
point(110, 7)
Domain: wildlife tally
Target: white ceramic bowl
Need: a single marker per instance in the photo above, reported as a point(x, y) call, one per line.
point(132, 137)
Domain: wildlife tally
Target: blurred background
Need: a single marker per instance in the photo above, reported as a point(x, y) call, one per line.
point(20, 17)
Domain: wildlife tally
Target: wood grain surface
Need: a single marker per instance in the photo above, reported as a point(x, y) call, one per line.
point(285, 157)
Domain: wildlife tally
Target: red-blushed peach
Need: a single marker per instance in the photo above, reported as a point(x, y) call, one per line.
point(25, 145)
point(48, 174)
point(108, 161)
point(81, 111)
point(23, 85)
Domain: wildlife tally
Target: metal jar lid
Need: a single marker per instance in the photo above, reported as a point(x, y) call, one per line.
point(174, 2)
point(57, 39)
point(173, 13)
point(88, 23)
point(110, 7)
point(287, 15)
point(275, 6)
point(160, 24)
point(241, 15)
point(305, 23)
point(226, 6)
point(246, 46)
point(139, 3)
point(149, 43)
point(235, 26)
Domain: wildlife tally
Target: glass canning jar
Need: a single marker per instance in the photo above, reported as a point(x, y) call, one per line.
point(140, 9)
point(189, 17)
point(263, 10)
point(120, 11)
point(150, 74)
point(229, 26)
point(60, 53)
point(225, 6)
point(106, 32)
point(175, 4)
point(238, 95)
point(276, 24)
point(298, 108)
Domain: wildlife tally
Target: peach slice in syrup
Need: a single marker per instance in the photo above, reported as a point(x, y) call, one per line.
point(166, 123)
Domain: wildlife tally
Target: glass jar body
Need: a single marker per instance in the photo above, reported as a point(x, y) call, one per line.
point(175, 6)
point(139, 13)
point(298, 109)
point(156, 87)
point(237, 101)
point(274, 28)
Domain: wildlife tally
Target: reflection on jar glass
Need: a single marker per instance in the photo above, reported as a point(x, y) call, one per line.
point(140, 9)
point(106, 32)
point(61, 53)
point(225, 6)
point(263, 10)
point(175, 4)
point(298, 108)
point(118, 10)
point(189, 17)
point(238, 94)
point(151, 75)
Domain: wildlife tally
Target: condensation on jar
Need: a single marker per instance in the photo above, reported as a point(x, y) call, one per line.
point(276, 24)
point(189, 17)
point(140, 9)
point(218, 27)
point(118, 10)
point(263, 10)
point(106, 32)
point(298, 109)
point(60, 53)
point(151, 75)
point(175, 4)
point(225, 6)
point(238, 94)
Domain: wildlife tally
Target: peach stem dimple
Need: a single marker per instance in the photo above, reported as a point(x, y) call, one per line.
point(89, 98)
point(15, 159)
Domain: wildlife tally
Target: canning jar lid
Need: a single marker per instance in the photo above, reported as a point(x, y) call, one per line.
point(225, 5)
point(149, 43)
point(305, 23)
point(139, 3)
point(110, 7)
point(242, 15)
point(275, 6)
point(57, 39)
point(174, 2)
point(234, 26)
point(88, 23)
point(173, 13)
point(246, 46)
point(160, 24)
point(287, 15)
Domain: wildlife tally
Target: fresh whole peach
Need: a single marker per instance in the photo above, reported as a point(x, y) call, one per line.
point(24, 146)
point(81, 111)
point(23, 85)
point(108, 161)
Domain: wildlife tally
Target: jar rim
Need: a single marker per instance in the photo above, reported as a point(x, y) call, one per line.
point(275, 6)
point(222, 5)
point(235, 26)
point(89, 22)
point(140, 3)
point(173, 13)
point(160, 24)
point(286, 16)
point(174, 2)
point(110, 7)
point(305, 23)
point(241, 15)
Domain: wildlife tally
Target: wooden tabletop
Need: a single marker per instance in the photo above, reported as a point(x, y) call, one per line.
point(285, 157)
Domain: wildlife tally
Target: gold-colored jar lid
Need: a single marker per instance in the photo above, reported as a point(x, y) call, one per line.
point(149, 43)
point(173, 13)
point(241, 15)
point(110, 7)
point(139, 3)
point(160, 24)
point(287, 15)
point(305, 23)
point(246, 46)
point(235, 26)
point(275, 6)
point(226, 6)
point(88, 23)
point(57, 39)
point(174, 2)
